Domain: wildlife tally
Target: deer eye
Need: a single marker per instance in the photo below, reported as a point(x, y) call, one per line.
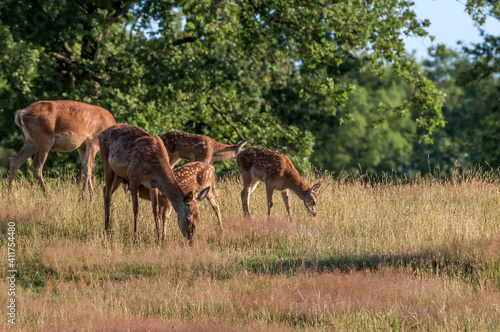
point(313, 203)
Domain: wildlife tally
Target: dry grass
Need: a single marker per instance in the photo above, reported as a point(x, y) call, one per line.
point(158, 325)
point(422, 255)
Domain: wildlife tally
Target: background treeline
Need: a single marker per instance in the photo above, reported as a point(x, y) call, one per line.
point(374, 144)
point(326, 82)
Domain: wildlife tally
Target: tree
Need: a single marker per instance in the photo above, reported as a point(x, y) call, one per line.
point(369, 141)
point(470, 81)
point(471, 136)
point(265, 70)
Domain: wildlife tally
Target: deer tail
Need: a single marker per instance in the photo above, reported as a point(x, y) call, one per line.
point(17, 118)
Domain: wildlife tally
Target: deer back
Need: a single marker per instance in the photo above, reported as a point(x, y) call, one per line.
point(199, 147)
point(66, 115)
point(195, 176)
point(68, 123)
point(277, 171)
point(187, 146)
point(270, 166)
point(132, 152)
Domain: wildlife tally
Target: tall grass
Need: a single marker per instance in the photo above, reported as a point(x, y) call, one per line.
point(419, 254)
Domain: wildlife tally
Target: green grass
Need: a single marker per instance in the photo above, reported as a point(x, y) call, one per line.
point(410, 255)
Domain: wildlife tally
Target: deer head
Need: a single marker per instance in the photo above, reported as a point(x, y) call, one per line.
point(188, 223)
point(239, 146)
point(311, 199)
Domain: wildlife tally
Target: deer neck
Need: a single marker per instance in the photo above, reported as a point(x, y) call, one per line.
point(223, 152)
point(171, 189)
point(294, 182)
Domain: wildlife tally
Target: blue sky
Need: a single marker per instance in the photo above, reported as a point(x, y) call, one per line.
point(449, 24)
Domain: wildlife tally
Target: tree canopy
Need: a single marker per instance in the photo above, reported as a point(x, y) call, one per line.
point(263, 70)
point(324, 82)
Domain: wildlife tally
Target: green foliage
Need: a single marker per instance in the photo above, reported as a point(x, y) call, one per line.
point(264, 70)
point(5, 156)
point(472, 134)
point(373, 138)
point(467, 83)
point(33, 275)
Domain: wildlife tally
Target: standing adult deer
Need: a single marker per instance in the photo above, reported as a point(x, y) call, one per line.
point(195, 177)
point(132, 154)
point(181, 145)
point(278, 173)
point(64, 126)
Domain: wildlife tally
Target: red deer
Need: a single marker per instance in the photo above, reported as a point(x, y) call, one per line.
point(194, 176)
point(278, 173)
point(181, 145)
point(133, 155)
point(64, 126)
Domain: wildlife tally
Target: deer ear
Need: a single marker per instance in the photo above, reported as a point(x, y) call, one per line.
point(242, 144)
point(315, 188)
point(229, 142)
point(203, 194)
point(188, 198)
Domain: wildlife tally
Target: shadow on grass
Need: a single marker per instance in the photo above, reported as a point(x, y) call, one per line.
point(33, 275)
point(457, 260)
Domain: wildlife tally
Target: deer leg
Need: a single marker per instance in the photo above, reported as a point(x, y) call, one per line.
point(111, 184)
point(132, 186)
point(163, 214)
point(27, 151)
point(244, 202)
point(91, 166)
point(153, 195)
point(284, 195)
point(173, 160)
point(245, 196)
point(87, 156)
point(165, 210)
point(82, 151)
point(269, 195)
point(37, 166)
point(117, 183)
point(215, 207)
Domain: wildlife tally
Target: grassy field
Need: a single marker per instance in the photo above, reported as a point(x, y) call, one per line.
point(416, 255)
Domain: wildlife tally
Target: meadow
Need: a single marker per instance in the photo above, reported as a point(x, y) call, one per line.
point(419, 254)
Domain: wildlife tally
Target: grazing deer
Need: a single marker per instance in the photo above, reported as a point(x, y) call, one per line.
point(278, 173)
point(181, 145)
point(194, 176)
point(132, 154)
point(64, 126)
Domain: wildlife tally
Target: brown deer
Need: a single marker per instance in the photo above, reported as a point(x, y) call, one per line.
point(194, 176)
point(278, 173)
point(64, 126)
point(181, 145)
point(132, 154)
